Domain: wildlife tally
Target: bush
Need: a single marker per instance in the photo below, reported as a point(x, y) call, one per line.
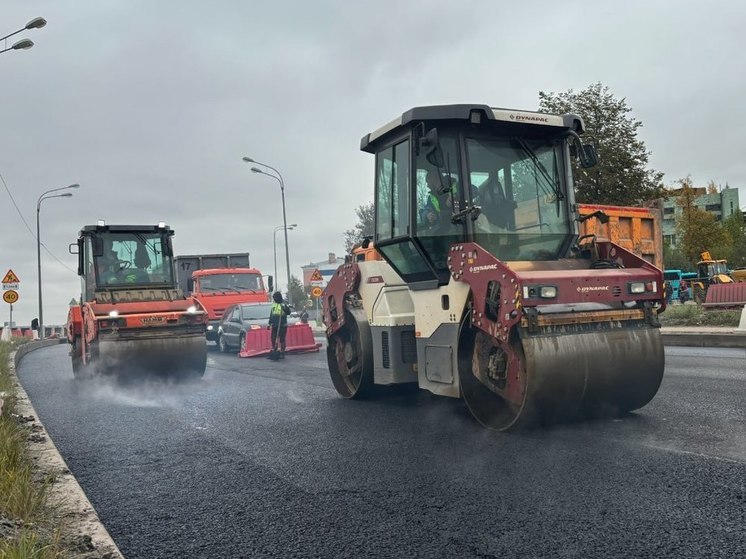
point(696, 315)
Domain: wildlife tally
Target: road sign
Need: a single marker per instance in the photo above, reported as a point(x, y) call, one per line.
point(316, 292)
point(10, 277)
point(316, 277)
point(13, 286)
point(10, 296)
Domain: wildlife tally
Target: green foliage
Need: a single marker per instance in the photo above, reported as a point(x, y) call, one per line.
point(28, 545)
point(297, 293)
point(622, 176)
point(674, 259)
point(697, 229)
point(364, 227)
point(695, 315)
point(735, 251)
point(23, 495)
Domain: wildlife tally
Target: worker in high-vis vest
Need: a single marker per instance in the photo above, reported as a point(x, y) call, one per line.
point(278, 323)
point(437, 200)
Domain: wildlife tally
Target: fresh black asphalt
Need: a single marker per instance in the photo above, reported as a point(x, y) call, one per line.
point(263, 459)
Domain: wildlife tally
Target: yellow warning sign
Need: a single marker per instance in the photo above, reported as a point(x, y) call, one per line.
point(316, 292)
point(11, 277)
point(10, 296)
point(316, 276)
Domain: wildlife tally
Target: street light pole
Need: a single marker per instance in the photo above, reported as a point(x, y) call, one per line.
point(278, 178)
point(274, 242)
point(44, 196)
point(36, 23)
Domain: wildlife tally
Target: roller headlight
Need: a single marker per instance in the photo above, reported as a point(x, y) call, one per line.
point(192, 309)
point(636, 287)
point(548, 292)
point(114, 313)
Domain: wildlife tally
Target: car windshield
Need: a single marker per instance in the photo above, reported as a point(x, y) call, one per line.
point(253, 312)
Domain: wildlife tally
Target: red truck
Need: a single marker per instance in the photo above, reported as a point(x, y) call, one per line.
point(218, 281)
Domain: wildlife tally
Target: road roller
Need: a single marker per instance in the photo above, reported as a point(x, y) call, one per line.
point(477, 283)
point(132, 319)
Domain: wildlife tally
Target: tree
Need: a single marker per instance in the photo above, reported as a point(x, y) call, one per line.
point(697, 229)
point(735, 228)
point(297, 293)
point(364, 227)
point(622, 176)
point(674, 259)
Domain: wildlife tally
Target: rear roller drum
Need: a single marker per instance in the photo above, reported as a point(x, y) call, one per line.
point(494, 382)
point(555, 378)
point(349, 354)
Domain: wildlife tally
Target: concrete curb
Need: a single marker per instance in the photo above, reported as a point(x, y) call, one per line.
point(76, 510)
point(712, 337)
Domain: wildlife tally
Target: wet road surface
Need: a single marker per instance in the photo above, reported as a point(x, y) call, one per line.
point(262, 459)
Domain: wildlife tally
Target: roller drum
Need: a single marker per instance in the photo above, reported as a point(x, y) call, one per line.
point(592, 373)
point(553, 377)
point(172, 356)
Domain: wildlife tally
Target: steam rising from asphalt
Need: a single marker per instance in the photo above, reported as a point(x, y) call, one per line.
point(139, 390)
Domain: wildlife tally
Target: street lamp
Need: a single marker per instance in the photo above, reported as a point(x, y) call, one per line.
point(23, 44)
point(45, 196)
point(278, 178)
point(36, 23)
point(274, 243)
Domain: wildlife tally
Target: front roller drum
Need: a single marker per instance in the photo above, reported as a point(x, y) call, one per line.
point(554, 378)
point(180, 357)
point(349, 354)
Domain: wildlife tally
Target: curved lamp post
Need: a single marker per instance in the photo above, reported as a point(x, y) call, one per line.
point(278, 178)
point(46, 196)
point(24, 44)
point(274, 243)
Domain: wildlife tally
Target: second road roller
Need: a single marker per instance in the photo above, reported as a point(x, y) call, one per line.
point(477, 283)
point(132, 319)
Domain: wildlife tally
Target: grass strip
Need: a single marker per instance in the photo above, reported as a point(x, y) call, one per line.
point(26, 530)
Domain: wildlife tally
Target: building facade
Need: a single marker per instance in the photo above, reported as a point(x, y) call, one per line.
point(721, 204)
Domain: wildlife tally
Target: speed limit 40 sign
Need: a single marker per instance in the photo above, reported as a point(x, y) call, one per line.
point(10, 296)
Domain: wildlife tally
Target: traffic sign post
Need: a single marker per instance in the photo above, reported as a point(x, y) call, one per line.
point(316, 278)
point(10, 296)
point(11, 282)
point(316, 291)
point(10, 277)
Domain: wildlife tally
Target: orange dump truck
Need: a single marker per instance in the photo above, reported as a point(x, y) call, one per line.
point(218, 281)
point(634, 228)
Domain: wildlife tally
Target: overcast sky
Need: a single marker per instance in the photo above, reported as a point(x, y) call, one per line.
point(150, 106)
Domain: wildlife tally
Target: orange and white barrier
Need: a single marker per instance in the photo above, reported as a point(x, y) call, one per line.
point(299, 339)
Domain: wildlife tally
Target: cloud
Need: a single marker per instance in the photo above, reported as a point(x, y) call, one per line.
point(151, 105)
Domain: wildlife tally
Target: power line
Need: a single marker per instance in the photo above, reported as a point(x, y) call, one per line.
point(31, 232)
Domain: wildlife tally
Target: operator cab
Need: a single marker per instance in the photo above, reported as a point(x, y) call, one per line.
point(456, 173)
point(124, 257)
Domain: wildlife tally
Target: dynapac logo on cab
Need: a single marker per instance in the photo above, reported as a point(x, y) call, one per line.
point(529, 118)
point(589, 288)
point(152, 320)
point(477, 269)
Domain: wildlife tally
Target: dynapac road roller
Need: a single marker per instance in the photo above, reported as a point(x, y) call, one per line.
point(478, 284)
point(132, 319)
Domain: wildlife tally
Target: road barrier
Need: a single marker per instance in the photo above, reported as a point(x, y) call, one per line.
point(726, 295)
point(299, 339)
